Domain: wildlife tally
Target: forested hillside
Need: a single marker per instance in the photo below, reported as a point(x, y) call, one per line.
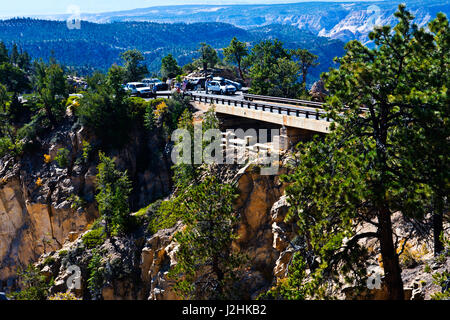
point(98, 46)
point(337, 20)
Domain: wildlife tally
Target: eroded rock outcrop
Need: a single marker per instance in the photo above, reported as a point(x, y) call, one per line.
point(36, 206)
point(42, 204)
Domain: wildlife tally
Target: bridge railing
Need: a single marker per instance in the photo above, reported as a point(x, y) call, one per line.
point(305, 103)
point(263, 106)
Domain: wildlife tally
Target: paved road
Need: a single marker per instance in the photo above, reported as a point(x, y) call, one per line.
point(238, 96)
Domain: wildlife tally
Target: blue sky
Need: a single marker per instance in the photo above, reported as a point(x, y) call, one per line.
point(38, 7)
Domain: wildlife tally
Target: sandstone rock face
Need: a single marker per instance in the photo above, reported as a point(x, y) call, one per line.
point(157, 257)
point(263, 237)
point(37, 214)
point(35, 219)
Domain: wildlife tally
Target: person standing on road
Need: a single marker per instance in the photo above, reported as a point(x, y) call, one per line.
point(206, 85)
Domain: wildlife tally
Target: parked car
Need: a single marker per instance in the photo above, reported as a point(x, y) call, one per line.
point(139, 89)
point(221, 87)
point(160, 86)
point(3, 296)
point(196, 83)
point(151, 81)
point(237, 85)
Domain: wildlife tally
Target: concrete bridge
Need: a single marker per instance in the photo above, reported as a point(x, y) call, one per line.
point(297, 122)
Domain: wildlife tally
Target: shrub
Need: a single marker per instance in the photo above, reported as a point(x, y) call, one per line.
point(63, 253)
point(49, 260)
point(47, 158)
point(95, 280)
point(63, 296)
point(7, 146)
point(87, 149)
point(77, 202)
point(160, 110)
point(38, 182)
point(166, 215)
point(94, 238)
point(62, 157)
point(410, 257)
point(33, 283)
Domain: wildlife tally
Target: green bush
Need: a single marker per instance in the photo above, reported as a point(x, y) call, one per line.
point(95, 280)
point(94, 238)
point(77, 202)
point(164, 215)
point(8, 147)
point(62, 157)
point(33, 283)
point(63, 253)
point(49, 260)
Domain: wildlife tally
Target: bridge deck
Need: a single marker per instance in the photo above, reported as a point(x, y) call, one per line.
point(290, 116)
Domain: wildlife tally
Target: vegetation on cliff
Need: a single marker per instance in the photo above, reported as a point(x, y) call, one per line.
point(388, 153)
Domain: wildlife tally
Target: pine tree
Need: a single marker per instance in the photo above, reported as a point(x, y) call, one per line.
point(206, 264)
point(169, 67)
point(365, 170)
point(235, 53)
point(114, 188)
point(134, 69)
point(306, 60)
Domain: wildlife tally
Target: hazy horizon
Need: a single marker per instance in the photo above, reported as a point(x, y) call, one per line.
point(48, 7)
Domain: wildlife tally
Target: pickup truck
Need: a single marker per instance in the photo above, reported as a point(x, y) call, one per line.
point(228, 81)
point(139, 89)
point(221, 87)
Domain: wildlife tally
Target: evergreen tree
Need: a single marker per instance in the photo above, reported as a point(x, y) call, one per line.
point(429, 131)
point(52, 90)
point(169, 67)
point(207, 266)
point(14, 57)
point(104, 107)
point(365, 171)
point(272, 70)
point(114, 188)
point(306, 60)
point(208, 57)
point(4, 57)
point(134, 69)
point(235, 53)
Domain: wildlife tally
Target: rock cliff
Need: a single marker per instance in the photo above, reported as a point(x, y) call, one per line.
point(43, 205)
